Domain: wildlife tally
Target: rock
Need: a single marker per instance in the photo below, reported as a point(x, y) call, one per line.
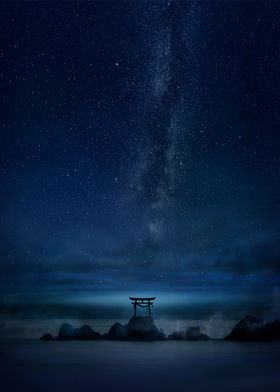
point(138, 328)
point(249, 328)
point(255, 329)
point(46, 336)
point(86, 332)
point(143, 328)
point(191, 333)
point(273, 330)
point(117, 332)
point(67, 332)
point(177, 335)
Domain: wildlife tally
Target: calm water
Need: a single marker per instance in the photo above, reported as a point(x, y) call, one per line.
point(213, 366)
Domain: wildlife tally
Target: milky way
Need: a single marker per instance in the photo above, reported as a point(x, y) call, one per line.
point(140, 153)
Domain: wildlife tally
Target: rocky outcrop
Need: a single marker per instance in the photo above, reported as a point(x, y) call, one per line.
point(255, 329)
point(46, 336)
point(85, 332)
point(144, 328)
point(117, 332)
point(66, 331)
point(191, 333)
point(138, 328)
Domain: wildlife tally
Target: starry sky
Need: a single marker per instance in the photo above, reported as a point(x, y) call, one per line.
point(140, 152)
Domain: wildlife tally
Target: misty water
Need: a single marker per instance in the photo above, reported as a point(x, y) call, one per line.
point(28, 364)
point(212, 366)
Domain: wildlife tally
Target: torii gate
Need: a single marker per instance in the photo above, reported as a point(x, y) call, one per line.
point(142, 303)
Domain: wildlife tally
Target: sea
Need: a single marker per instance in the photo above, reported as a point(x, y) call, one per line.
point(29, 364)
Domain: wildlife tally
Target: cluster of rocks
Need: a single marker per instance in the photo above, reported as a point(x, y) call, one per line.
point(255, 329)
point(191, 333)
point(137, 329)
point(144, 329)
point(67, 332)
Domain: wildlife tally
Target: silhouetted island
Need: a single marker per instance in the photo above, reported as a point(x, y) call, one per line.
point(255, 329)
point(144, 329)
point(137, 329)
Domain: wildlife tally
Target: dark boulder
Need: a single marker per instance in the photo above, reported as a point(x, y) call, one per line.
point(138, 328)
point(46, 336)
point(255, 329)
point(117, 332)
point(67, 332)
point(273, 330)
point(144, 328)
point(86, 332)
point(191, 333)
point(177, 335)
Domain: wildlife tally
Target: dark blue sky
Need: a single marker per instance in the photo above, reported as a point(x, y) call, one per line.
point(140, 153)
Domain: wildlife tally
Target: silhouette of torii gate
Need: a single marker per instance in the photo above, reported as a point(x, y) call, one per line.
point(142, 303)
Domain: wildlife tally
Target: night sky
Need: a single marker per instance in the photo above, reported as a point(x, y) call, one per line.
point(140, 151)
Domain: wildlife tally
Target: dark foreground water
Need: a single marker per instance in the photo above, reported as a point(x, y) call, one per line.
point(116, 366)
